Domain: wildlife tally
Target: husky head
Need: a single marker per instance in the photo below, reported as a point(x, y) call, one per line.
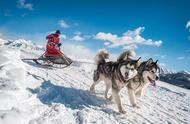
point(150, 71)
point(129, 69)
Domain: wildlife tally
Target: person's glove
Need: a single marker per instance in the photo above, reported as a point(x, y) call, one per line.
point(59, 44)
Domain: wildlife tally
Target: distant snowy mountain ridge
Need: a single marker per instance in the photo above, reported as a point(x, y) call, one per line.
point(21, 43)
point(164, 70)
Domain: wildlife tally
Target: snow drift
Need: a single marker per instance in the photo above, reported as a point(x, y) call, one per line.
point(12, 79)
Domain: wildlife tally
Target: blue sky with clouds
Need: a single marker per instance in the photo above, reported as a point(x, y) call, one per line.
point(154, 28)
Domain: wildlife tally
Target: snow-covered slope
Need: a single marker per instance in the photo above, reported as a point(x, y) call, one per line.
point(30, 94)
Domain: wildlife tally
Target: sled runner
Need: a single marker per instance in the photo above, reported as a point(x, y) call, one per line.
point(60, 61)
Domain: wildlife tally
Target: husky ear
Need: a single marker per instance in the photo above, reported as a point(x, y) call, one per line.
point(138, 62)
point(156, 61)
point(149, 61)
point(138, 59)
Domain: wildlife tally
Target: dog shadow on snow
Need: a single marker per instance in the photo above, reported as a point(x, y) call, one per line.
point(49, 93)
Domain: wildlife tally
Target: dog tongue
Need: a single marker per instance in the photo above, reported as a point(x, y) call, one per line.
point(153, 83)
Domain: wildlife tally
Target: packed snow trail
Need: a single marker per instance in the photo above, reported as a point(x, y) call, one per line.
point(31, 94)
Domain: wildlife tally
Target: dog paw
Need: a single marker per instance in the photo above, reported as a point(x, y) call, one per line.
point(122, 111)
point(138, 95)
point(110, 98)
point(92, 89)
point(106, 97)
point(135, 106)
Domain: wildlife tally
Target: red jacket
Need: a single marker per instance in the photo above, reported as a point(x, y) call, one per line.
point(53, 41)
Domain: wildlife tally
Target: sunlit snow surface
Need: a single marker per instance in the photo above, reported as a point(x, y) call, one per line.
point(31, 94)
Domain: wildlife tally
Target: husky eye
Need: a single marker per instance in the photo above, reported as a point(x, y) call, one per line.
point(127, 67)
point(132, 69)
point(152, 71)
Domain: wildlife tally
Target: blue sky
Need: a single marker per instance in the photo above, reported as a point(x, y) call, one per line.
point(154, 28)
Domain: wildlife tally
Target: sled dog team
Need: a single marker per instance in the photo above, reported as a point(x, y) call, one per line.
point(125, 72)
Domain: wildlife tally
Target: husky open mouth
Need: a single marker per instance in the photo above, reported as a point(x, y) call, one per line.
point(153, 82)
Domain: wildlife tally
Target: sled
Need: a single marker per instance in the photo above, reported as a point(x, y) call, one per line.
point(60, 61)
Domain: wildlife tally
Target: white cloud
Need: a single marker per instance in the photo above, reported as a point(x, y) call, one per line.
point(106, 36)
point(162, 64)
point(181, 57)
point(130, 47)
point(87, 36)
point(188, 25)
point(78, 38)
point(23, 4)
point(79, 51)
point(77, 33)
point(130, 37)
point(63, 24)
point(63, 36)
point(106, 43)
point(161, 56)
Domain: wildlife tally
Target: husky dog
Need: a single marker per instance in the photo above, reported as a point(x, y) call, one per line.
point(148, 73)
point(114, 74)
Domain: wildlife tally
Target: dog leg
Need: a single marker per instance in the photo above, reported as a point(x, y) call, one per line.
point(139, 93)
point(117, 99)
point(92, 87)
point(108, 86)
point(110, 98)
point(132, 97)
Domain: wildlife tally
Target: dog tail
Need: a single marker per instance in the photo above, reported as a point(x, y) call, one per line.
point(101, 56)
point(126, 55)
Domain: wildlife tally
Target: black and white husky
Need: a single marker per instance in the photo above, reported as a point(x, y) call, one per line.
point(148, 73)
point(114, 74)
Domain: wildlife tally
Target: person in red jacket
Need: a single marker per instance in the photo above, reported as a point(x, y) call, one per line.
point(53, 44)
